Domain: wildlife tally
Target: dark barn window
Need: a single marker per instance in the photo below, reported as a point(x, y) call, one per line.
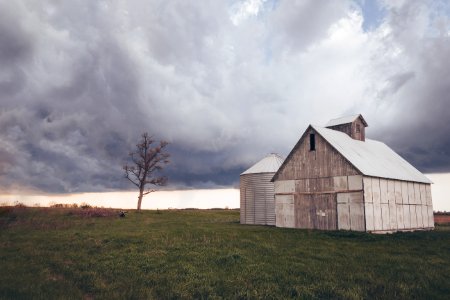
point(358, 128)
point(312, 142)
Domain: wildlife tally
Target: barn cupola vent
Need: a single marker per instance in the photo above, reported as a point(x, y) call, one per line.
point(354, 126)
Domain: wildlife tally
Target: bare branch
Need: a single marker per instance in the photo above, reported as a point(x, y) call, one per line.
point(147, 159)
point(148, 192)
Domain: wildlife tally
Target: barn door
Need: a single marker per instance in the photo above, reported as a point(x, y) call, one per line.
point(316, 211)
point(350, 208)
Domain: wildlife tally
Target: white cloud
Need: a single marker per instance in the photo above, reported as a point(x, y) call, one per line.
point(242, 10)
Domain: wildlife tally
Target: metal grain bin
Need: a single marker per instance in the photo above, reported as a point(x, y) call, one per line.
point(257, 192)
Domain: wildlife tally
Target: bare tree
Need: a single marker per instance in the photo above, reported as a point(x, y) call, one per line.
point(147, 160)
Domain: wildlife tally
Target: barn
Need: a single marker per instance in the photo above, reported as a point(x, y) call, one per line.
point(334, 178)
point(257, 192)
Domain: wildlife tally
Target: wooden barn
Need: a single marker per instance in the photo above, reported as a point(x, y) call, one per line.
point(334, 178)
point(257, 192)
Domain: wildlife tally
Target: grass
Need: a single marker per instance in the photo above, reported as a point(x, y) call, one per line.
point(184, 254)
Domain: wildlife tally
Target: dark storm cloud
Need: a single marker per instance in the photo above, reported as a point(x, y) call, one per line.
point(80, 81)
point(417, 88)
point(67, 127)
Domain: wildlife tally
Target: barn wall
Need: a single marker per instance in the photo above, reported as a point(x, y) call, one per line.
point(324, 162)
point(345, 128)
point(327, 203)
point(316, 211)
point(351, 129)
point(393, 205)
point(309, 185)
point(284, 210)
point(350, 209)
point(257, 199)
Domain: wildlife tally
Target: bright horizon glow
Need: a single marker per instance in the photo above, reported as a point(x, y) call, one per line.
point(200, 198)
point(440, 191)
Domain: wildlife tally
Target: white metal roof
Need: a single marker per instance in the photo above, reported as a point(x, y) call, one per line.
point(371, 157)
point(343, 120)
point(269, 164)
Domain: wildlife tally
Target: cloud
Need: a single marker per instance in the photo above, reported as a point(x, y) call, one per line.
point(411, 77)
point(224, 83)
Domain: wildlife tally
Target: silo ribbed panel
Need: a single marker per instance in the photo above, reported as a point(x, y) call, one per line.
point(257, 199)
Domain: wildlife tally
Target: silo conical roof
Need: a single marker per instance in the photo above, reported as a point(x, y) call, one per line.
point(269, 164)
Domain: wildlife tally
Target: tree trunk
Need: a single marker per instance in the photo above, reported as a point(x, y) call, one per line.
point(140, 199)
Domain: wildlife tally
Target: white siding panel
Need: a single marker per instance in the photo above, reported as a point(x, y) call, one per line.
point(425, 216)
point(377, 220)
point(367, 189)
point(383, 191)
point(411, 197)
point(400, 221)
point(392, 216)
point(284, 209)
point(419, 216)
point(342, 197)
point(398, 192)
point(343, 216)
point(423, 194)
point(376, 190)
point(357, 216)
point(413, 215)
point(406, 216)
point(417, 193)
point(391, 191)
point(284, 186)
point(385, 216)
point(355, 197)
point(369, 216)
point(340, 183)
point(355, 182)
point(405, 192)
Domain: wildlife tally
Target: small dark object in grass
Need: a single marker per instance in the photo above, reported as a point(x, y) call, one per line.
point(122, 214)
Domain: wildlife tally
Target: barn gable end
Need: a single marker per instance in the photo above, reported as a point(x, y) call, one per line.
point(324, 161)
point(318, 188)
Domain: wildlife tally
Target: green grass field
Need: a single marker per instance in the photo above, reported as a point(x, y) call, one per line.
point(60, 253)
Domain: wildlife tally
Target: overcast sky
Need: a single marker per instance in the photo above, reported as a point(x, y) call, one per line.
point(226, 82)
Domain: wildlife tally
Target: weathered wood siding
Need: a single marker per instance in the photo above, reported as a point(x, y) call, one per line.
point(324, 162)
point(315, 211)
point(350, 208)
point(351, 129)
point(257, 199)
point(309, 184)
point(345, 128)
point(393, 205)
point(284, 211)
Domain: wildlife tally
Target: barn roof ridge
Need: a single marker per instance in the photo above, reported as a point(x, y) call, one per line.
point(346, 120)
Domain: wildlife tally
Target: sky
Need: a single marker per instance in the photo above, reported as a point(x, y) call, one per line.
point(225, 82)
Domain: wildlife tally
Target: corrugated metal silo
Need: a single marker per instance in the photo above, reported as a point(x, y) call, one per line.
point(257, 192)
